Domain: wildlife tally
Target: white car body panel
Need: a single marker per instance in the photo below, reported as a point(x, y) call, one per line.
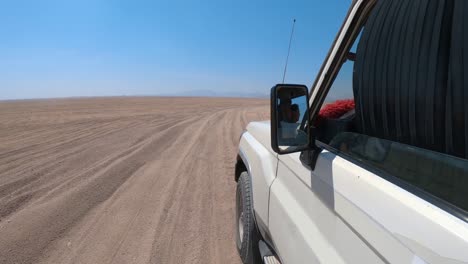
point(342, 213)
point(261, 163)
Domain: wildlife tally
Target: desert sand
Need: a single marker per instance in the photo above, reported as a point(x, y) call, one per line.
point(120, 179)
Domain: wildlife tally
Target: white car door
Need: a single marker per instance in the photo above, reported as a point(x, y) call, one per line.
point(342, 213)
point(304, 224)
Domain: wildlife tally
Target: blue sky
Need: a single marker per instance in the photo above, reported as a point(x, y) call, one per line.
point(100, 47)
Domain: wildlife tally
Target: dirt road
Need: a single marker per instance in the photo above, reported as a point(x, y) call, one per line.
point(120, 180)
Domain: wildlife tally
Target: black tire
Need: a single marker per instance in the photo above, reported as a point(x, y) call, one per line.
point(247, 236)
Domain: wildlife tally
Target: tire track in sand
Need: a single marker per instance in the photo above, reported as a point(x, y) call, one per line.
point(154, 185)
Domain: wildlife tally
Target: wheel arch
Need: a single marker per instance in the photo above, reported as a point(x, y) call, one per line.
point(241, 165)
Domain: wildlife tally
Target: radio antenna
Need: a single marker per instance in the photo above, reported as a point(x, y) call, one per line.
point(289, 49)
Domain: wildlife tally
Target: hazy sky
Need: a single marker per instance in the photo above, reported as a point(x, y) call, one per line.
point(99, 47)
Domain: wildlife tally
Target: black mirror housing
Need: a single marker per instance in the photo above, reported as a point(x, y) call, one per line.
point(289, 106)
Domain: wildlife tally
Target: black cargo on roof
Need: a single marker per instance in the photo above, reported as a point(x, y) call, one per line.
point(409, 73)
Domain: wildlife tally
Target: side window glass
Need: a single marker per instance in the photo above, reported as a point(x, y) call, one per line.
point(337, 113)
point(342, 87)
point(439, 174)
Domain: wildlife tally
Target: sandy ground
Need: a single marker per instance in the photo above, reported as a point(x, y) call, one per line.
point(120, 180)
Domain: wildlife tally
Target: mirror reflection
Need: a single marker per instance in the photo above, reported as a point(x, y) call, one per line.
point(291, 109)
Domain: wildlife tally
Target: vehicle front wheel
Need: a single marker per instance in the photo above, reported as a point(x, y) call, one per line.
point(247, 235)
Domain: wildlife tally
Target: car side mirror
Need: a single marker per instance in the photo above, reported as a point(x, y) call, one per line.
point(289, 106)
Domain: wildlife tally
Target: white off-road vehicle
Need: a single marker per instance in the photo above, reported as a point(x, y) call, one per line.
point(380, 176)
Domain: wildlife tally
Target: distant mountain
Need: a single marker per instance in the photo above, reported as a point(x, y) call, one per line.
point(211, 93)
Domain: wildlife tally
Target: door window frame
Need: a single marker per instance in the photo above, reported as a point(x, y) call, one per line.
point(428, 197)
point(355, 19)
